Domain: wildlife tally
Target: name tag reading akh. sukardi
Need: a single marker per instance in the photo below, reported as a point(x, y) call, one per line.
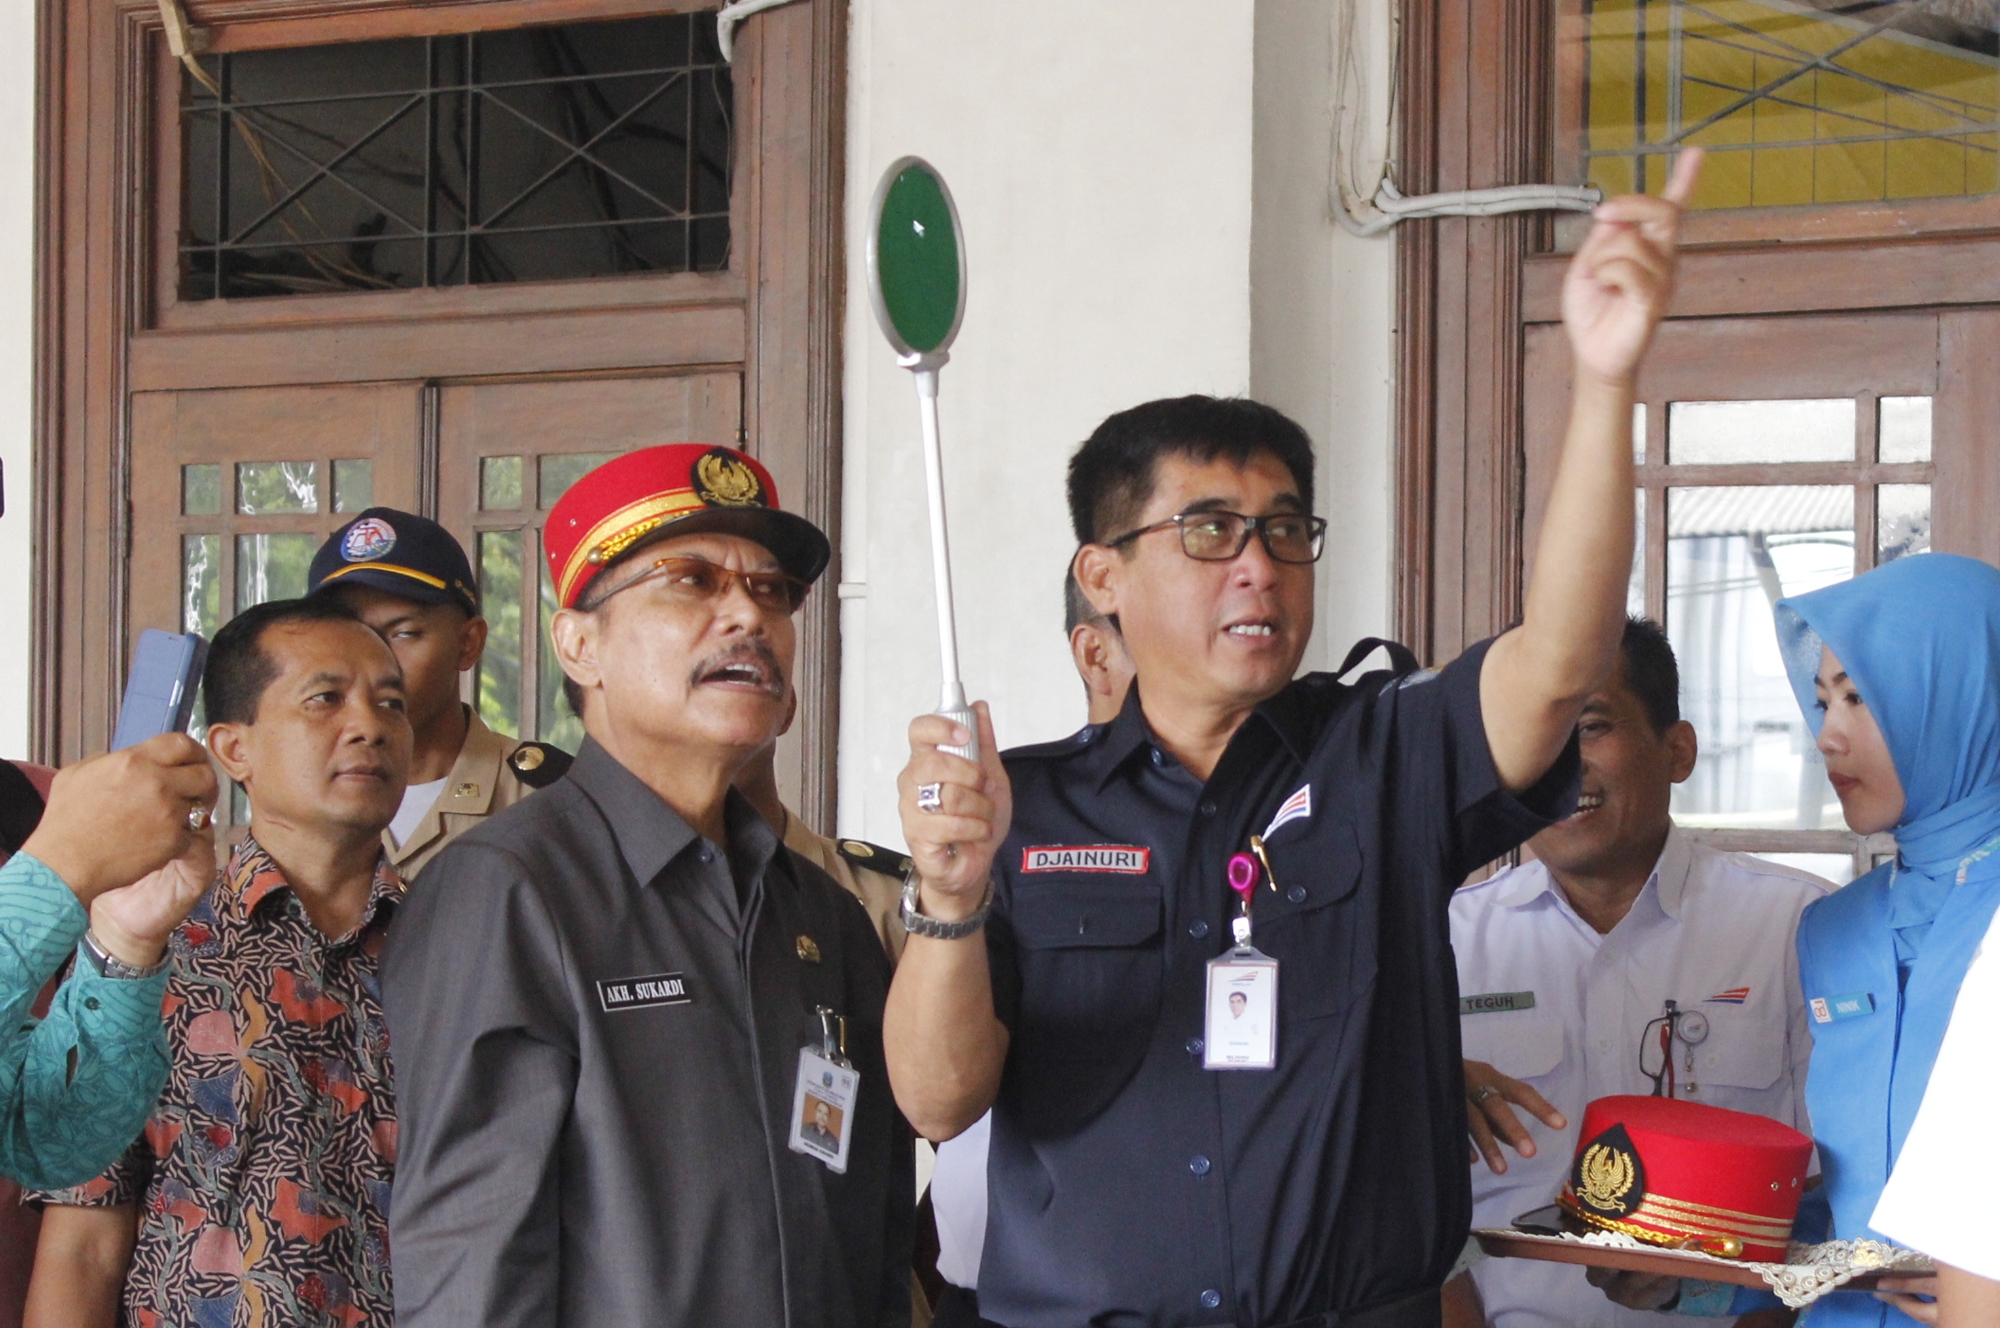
point(1124, 859)
point(617, 994)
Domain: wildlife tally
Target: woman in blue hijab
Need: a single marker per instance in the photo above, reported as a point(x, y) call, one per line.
point(1898, 672)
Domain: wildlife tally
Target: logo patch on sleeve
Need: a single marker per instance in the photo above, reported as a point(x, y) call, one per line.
point(643, 993)
point(1123, 859)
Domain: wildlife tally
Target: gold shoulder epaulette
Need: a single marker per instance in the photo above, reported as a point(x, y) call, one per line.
point(539, 765)
point(874, 857)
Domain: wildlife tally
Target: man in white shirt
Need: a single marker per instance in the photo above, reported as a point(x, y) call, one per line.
point(409, 579)
point(1625, 959)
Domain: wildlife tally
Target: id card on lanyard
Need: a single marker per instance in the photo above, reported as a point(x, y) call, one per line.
point(1241, 1028)
point(823, 1098)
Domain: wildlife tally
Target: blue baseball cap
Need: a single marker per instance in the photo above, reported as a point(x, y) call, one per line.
point(400, 553)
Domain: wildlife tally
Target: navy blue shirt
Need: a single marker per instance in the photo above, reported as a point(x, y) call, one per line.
point(1127, 1184)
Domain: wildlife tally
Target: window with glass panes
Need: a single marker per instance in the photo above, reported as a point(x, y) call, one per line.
point(1752, 501)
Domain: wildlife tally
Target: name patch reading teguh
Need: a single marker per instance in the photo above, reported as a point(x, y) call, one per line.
point(642, 993)
point(1126, 859)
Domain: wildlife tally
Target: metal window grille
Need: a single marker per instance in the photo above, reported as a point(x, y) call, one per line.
point(580, 150)
point(1796, 101)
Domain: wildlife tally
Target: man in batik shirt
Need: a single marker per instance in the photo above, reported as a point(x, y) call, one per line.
point(259, 1193)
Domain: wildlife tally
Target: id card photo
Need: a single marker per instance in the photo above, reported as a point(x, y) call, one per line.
point(823, 1109)
point(1242, 1031)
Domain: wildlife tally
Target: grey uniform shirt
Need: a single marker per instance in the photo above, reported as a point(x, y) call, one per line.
point(561, 1163)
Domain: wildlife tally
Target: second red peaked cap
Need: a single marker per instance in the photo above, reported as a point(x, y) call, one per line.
point(660, 492)
point(1688, 1176)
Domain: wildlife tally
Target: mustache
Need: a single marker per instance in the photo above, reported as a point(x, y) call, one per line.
point(748, 661)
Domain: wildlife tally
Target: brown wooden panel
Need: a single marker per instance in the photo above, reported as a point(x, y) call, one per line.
point(1946, 270)
point(246, 25)
point(420, 348)
point(1965, 435)
point(533, 419)
point(172, 429)
point(791, 107)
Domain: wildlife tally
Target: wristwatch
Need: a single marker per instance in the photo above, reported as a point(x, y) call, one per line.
point(111, 966)
point(918, 925)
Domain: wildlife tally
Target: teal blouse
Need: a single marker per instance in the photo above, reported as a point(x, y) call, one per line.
point(76, 1087)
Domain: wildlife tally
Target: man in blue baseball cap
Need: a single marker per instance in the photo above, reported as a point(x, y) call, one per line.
point(410, 580)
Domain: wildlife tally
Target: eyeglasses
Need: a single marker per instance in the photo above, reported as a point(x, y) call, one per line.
point(1656, 1046)
point(699, 581)
point(1217, 537)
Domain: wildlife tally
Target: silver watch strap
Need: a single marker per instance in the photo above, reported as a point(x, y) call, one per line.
point(917, 924)
point(111, 966)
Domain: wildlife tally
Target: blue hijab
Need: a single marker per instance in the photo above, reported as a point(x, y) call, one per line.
point(1920, 638)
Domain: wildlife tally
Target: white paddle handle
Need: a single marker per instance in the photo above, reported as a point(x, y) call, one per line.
point(952, 705)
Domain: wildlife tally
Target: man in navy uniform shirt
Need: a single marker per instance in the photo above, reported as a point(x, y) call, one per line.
point(1128, 1184)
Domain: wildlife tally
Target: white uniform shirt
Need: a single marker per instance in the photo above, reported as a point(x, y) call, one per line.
point(1940, 1196)
point(1547, 1000)
point(958, 1198)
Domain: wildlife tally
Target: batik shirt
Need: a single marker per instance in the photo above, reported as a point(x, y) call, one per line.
point(263, 1174)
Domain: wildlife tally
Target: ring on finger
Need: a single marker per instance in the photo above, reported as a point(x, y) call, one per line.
point(930, 797)
point(197, 818)
point(1484, 1091)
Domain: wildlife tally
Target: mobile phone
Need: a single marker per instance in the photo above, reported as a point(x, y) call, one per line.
point(161, 689)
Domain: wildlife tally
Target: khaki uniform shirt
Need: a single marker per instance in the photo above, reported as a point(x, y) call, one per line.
point(492, 771)
point(879, 892)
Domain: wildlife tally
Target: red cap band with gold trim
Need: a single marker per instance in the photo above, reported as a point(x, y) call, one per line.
point(659, 492)
point(1689, 1176)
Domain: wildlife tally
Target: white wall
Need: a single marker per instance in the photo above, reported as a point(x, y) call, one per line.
point(1143, 185)
point(1322, 304)
point(1100, 157)
point(17, 267)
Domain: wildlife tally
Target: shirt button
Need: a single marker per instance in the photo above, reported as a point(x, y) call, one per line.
point(1157, 758)
point(1194, 1045)
point(1210, 1298)
point(1198, 1165)
point(1198, 929)
point(1297, 894)
point(707, 853)
point(90, 1002)
point(1208, 808)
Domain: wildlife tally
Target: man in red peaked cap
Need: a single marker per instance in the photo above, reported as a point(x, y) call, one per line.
point(618, 1006)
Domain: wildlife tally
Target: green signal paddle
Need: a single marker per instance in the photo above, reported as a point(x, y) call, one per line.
point(916, 280)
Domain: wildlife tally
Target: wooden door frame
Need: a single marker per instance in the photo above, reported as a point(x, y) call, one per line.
point(1475, 82)
point(778, 312)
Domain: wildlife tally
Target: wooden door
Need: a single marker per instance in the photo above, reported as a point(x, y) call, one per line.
point(509, 450)
point(416, 238)
point(1777, 455)
point(241, 487)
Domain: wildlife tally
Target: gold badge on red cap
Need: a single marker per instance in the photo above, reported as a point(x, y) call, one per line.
point(722, 480)
point(1608, 1172)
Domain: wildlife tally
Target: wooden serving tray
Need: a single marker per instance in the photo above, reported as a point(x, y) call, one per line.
point(1502, 1243)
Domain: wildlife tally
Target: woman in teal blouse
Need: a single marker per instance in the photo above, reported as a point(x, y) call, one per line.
point(120, 856)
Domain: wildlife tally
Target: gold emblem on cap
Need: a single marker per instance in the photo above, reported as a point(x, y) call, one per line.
point(808, 949)
point(528, 758)
point(1605, 1176)
point(725, 481)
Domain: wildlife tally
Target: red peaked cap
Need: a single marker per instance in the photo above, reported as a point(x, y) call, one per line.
point(1689, 1176)
point(659, 492)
